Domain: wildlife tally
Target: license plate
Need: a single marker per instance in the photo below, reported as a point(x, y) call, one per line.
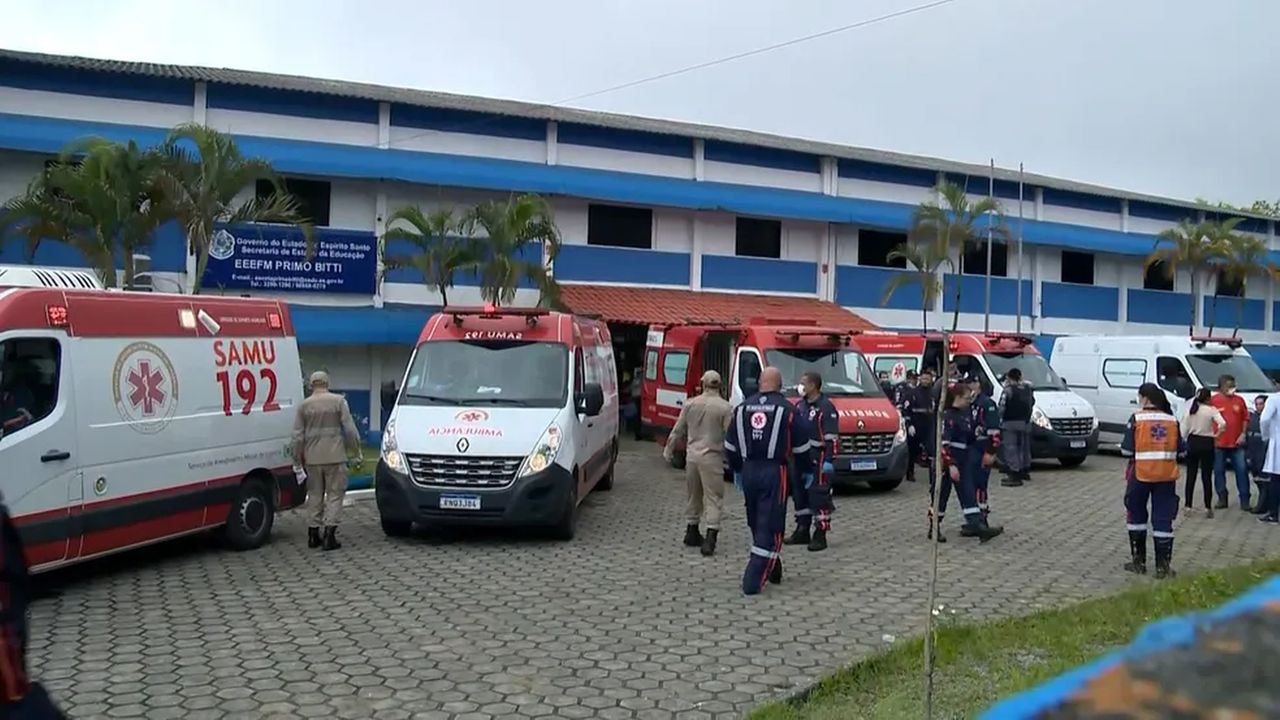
point(857, 465)
point(459, 502)
point(1078, 443)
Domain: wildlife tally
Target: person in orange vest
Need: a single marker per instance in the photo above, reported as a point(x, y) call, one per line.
point(1153, 444)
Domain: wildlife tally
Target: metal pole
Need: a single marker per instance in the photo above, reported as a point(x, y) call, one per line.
point(1019, 325)
point(986, 321)
point(935, 526)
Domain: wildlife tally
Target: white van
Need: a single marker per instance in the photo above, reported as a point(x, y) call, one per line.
point(1107, 371)
point(130, 418)
point(505, 417)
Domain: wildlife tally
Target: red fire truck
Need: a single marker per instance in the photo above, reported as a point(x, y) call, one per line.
point(872, 446)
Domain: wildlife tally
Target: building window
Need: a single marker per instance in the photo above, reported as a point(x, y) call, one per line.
point(874, 248)
point(974, 260)
point(1157, 277)
point(1228, 286)
point(758, 238)
point(618, 226)
point(313, 197)
point(1077, 267)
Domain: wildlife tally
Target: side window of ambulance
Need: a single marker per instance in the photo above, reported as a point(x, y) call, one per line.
point(579, 370)
point(29, 370)
point(1124, 372)
point(749, 370)
point(675, 368)
point(651, 365)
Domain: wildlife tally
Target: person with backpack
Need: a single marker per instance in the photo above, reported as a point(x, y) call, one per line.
point(1016, 403)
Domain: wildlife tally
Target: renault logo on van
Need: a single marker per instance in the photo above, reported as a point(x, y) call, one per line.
point(1075, 412)
point(463, 444)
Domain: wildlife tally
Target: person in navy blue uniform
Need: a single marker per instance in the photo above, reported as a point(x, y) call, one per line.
point(986, 427)
point(919, 408)
point(766, 433)
point(812, 495)
point(20, 698)
point(958, 443)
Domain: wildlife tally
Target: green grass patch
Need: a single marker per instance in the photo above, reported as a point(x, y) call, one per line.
point(976, 665)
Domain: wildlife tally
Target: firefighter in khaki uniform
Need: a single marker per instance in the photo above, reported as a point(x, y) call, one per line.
point(1153, 444)
point(324, 436)
point(702, 423)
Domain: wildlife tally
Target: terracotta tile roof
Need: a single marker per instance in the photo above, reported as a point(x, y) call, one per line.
point(646, 306)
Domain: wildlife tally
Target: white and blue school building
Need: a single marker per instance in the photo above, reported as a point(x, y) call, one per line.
point(660, 219)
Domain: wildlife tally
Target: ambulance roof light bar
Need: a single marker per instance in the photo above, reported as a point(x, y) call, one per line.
point(493, 312)
point(1232, 342)
point(997, 337)
point(837, 336)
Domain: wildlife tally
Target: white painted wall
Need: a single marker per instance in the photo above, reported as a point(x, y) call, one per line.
point(292, 128)
point(1148, 226)
point(17, 170)
point(889, 192)
point(673, 230)
point(352, 205)
point(717, 232)
point(715, 171)
point(803, 241)
point(95, 109)
point(846, 245)
point(451, 143)
point(1076, 216)
point(625, 160)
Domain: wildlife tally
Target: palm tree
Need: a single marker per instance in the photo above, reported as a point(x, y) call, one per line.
point(510, 228)
point(204, 174)
point(957, 222)
point(1246, 257)
point(106, 203)
point(1191, 246)
point(925, 258)
point(439, 251)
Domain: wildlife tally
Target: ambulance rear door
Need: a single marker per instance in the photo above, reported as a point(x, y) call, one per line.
point(668, 372)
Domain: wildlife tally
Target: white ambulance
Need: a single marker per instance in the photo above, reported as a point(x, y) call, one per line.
point(130, 418)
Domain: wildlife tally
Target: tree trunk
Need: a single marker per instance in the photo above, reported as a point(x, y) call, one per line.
point(444, 297)
point(1191, 323)
point(1244, 290)
point(128, 267)
point(202, 262)
point(1213, 312)
point(955, 319)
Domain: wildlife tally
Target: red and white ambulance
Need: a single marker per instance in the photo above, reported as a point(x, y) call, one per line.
point(131, 418)
point(1064, 425)
point(872, 446)
point(505, 416)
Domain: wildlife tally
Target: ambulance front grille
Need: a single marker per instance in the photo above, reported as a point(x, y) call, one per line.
point(459, 471)
point(1072, 426)
point(866, 444)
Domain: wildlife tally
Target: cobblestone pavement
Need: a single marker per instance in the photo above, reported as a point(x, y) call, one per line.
point(621, 622)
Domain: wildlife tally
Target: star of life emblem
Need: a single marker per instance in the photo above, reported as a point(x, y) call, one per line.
point(145, 388)
point(1159, 432)
point(758, 420)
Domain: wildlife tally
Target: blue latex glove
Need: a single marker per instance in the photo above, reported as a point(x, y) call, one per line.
point(808, 479)
point(737, 481)
point(828, 468)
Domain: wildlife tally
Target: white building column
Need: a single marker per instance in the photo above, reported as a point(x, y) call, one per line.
point(1123, 298)
point(384, 125)
point(695, 255)
point(1124, 216)
point(1037, 280)
point(380, 230)
point(699, 159)
point(200, 109)
point(375, 389)
point(1039, 203)
point(552, 142)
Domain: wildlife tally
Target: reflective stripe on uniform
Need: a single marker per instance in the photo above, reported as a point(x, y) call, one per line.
point(729, 446)
point(804, 513)
point(778, 413)
point(832, 436)
point(1155, 455)
point(954, 444)
point(1135, 526)
point(742, 435)
point(1161, 534)
point(802, 447)
point(763, 552)
point(1148, 415)
point(972, 510)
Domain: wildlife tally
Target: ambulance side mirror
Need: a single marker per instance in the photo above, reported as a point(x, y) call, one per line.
point(591, 400)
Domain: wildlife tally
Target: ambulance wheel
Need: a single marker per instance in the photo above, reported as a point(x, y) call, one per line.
point(397, 528)
point(606, 483)
point(885, 485)
point(1070, 462)
point(567, 526)
point(251, 516)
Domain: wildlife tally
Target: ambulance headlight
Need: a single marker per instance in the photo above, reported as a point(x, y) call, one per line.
point(1038, 418)
point(901, 436)
point(1095, 423)
point(391, 452)
point(544, 452)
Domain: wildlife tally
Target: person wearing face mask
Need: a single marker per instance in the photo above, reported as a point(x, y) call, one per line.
point(1230, 443)
point(1153, 445)
point(812, 495)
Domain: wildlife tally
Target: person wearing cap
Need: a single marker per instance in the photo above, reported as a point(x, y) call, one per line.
point(985, 415)
point(324, 436)
point(702, 424)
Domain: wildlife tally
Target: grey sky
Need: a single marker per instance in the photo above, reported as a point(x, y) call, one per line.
point(1174, 97)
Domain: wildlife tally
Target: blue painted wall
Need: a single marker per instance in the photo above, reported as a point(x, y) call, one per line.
point(595, 263)
point(1253, 316)
point(466, 121)
point(168, 252)
point(291, 103)
point(858, 286)
point(463, 278)
point(1159, 307)
point(33, 76)
point(729, 272)
point(1083, 302)
point(616, 139)
point(973, 295)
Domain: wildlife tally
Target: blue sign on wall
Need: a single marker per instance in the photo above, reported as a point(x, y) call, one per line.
point(274, 258)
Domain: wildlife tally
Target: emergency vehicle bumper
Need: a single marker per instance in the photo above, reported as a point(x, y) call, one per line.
point(537, 499)
point(1050, 444)
point(856, 469)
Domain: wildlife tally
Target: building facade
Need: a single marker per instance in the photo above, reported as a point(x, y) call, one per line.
point(659, 219)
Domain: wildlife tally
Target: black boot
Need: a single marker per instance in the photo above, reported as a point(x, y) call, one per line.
point(692, 537)
point(1261, 506)
point(709, 542)
point(941, 538)
point(313, 537)
point(1138, 552)
point(331, 538)
point(1011, 481)
point(800, 536)
point(1164, 556)
point(819, 541)
point(1221, 504)
point(982, 531)
point(775, 575)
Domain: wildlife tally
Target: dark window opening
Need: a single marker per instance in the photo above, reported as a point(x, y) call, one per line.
point(1077, 267)
point(1229, 286)
point(313, 197)
point(874, 248)
point(974, 260)
point(29, 379)
point(1157, 277)
point(758, 238)
point(617, 226)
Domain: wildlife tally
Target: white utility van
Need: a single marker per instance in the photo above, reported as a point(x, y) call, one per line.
point(1108, 370)
point(130, 418)
point(505, 416)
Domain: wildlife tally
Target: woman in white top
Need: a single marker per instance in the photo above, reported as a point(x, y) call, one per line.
point(1201, 425)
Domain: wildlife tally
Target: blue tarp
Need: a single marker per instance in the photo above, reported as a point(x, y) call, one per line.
point(1156, 637)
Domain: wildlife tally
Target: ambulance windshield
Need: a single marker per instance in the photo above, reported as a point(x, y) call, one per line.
point(519, 374)
point(1249, 377)
point(844, 372)
point(1034, 369)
